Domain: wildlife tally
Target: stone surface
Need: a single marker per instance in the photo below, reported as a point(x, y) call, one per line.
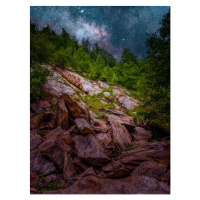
point(33, 178)
point(141, 134)
point(36, 121)
point(106, 94)
point(61, 115)
point(83, 126)
point(121, 136)
point(103, 85)
point(151, 169)
point(128, 185)
point(90, 150)
point(75, 109)
point(104, 138)
point(35, 139)
point(128, 102)
point(100, 126)
point(80, 82)
point(89, 171)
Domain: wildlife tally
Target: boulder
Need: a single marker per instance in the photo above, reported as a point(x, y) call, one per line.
point(128, 102)
point(103, 85)
point(80, 82)
point(76, 109)
point(121, 136)
point(116, 92)
point(90, 149)
point(68, 168)
point(33, 178)
point(100, 126)
point(61, 115)
point(141, 134)
point(89, 171)
point(39, 164)
point(129, 185)
point(36, 121)
point(83, 126)
point(107, 94)
point(104, 138)
point(35, 139)
point(151, 169)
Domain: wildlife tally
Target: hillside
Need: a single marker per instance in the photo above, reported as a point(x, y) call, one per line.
point(85, 140)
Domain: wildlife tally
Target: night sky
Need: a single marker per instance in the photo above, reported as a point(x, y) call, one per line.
point(113, 28)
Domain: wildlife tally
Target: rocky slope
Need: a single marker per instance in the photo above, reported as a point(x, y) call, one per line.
point(82, 142)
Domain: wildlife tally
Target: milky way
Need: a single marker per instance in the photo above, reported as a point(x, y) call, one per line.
point(113, 28)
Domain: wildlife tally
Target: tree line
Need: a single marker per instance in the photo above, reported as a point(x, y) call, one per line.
point(148, 79)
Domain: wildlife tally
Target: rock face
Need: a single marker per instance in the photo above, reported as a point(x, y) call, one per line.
point(93, 150)
point(61, 115)
point(90, 150)
point(142, 134)
point(80, 82)
point(83, 126)
point(129, 185)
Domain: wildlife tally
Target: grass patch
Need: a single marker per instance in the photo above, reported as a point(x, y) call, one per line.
point(100, 117)
point(130, 148)
point(40, 133)
point(42, 111)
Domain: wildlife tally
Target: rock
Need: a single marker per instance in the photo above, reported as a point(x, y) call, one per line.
point(92, 115)
point(82, 166)
point(117, 107)
point(90, 150)
point(121, 136)
point(33, 178)
point(83, 126)
point(36, 121)
point(89, 171)
point(116, 169)
point(107, 94)
point(151, 169)
point(128, 102)
point(75, 109)
point(100, 126)
point(67, 138)
point(35, 139)
point(129, 185)
point(61, 115)
point(68, 169)
point(53, 90)
point(141, 134)
point(103, 85)
point(104, 138)
point(79, 81)
point(121, 119)
point(156, 151)
point(39, 164)
point(116, 92)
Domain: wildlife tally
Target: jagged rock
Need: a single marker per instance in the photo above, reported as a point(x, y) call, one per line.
point(33, 178)
point(53, 90)
point(80, 82)
point(100, 126)
point(68, 168)
point(61, 115)
point(117, 107)
point(67, 138)
point(128, 102)
point(103, 85)
point(141, 134)
point(35, 139)
point(107, 94)
point(121, 119)
point(83, 126)
point(121, 136)
point(129, 185)
point(36, 121)
point(104, 138)
point(151, 169)
point(75, 109)
point(89, 171)
point(82, 166)
point(156, 151)
point(116, 169)
point(90, 150)
point(116, 92)
point(39, 164)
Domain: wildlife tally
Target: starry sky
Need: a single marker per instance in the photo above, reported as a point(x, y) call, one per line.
point(113, 28)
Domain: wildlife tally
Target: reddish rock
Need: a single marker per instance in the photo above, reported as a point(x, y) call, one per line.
point(83, 126)
point(141, 134)
point(151, 169)
point(35, 139)
point(61, 115)
point(90, 149)
point(128, 102)
point(104, 138)
point(36, 121)
point(89, 171)
point(129, 185)
point(100, 126)
point(33, 178)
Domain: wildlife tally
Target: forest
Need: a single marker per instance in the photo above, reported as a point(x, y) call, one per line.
point(148, 78)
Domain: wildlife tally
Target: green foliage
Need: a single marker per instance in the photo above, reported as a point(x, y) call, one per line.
point(130, 148)
point(40, 133)
point(38, 76)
